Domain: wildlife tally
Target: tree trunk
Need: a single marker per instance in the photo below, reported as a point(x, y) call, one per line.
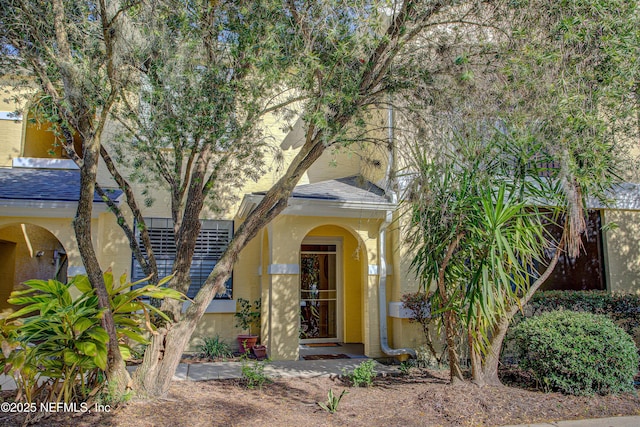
point(477, 373)
point(492, 359)
point(117, 374)
point(455, 373)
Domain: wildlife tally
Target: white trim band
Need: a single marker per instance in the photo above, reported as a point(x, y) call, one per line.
point(283, 269)
point(10, 115)
point(37, 163)
point(373, 270)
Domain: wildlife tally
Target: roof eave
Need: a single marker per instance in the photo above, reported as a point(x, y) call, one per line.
point(301, 206)
point(46, 208)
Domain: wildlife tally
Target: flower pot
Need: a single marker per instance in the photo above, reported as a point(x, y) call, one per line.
point(246, 342)
point(259, 351)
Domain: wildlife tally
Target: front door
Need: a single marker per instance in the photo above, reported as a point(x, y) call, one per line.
point(319, 293)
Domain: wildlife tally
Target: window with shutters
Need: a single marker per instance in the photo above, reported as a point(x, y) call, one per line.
point(212, 241)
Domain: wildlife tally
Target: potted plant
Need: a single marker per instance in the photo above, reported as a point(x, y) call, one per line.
point(247, 317)
point(259, 351)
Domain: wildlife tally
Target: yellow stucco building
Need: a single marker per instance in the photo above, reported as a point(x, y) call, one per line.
point(330, 269)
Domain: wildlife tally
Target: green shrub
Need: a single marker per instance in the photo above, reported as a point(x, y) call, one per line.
point(577, 353)
point(362, 375)
point(622, 309)
point(214, 348)
point(253, 374)
point(54, 346)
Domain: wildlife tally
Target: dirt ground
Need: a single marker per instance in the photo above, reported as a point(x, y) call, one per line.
point(422, 398)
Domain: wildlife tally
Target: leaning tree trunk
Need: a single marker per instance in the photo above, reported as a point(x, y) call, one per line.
point(492, 358)
point(153, 377)
point(475, 354)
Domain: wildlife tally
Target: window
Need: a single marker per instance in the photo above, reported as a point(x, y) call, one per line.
point(212, 241)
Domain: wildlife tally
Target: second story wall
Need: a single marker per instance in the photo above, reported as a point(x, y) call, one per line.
point(10, 130)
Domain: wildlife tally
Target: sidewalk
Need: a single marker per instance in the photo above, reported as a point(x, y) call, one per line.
point(287, 369)
point(598, 422)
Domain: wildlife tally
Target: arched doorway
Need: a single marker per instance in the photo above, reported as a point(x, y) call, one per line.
point(28, 251)
point(331, 286)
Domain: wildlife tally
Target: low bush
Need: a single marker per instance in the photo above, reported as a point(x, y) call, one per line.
point(253, 374)
point(622, 309)
point(54, 345)
point(362, 375)
point(577, 353)
point(214, 347)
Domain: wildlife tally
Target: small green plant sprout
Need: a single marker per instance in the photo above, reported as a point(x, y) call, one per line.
point(248, 315)
point(362, 375)
point(253, 374)
point(214, 347)
point(332, 401)
point(405, 367)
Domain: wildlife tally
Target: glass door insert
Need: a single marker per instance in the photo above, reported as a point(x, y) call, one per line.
point(318, 293)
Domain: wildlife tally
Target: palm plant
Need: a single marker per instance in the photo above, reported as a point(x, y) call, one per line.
point(61, 338)
point(478, 234)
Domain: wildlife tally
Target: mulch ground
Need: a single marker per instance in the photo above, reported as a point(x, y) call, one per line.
point(422, 398)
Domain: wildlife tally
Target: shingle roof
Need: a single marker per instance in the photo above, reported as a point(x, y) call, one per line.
point(349, 189)
point(43, 185)
point(624, 196)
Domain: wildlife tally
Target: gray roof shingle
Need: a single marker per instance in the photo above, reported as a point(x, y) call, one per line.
point(348, 189)
point(43, 185)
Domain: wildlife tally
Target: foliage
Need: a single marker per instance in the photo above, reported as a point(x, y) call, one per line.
point(14, 362)
point(425, 358)
point(253, 373)
point(405, 367)
point(214, 347)
point(622, 308)
point(420, 307)
point(362, 375)
point(577, 353)
point(472, 232)
point(248, 315)
point(57, 337)
point(332, 401)
point(560, 91)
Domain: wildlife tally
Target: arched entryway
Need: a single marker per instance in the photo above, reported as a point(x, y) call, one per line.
point(331, 286)
point(28, 251)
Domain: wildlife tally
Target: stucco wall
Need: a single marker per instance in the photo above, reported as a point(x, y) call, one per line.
point(30, 255)
point(10, 129)
point(622, 251)
point(109, 241)
point(10, 136)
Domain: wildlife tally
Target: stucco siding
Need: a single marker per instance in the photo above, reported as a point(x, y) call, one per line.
point(622, 251)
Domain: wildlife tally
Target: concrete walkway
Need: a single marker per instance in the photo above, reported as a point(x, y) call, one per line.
point(287, 369)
